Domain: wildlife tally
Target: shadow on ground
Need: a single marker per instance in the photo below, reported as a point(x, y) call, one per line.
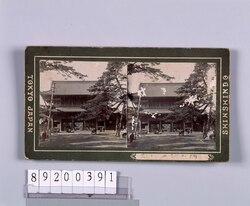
point(165, 142)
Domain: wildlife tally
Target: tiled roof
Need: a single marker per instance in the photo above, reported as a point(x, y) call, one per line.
point(81, 88)
point(161, 89)
point(71, 87)
point(69, 109)
point(156, 111)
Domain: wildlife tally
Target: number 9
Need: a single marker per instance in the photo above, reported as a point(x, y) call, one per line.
point(45, 176)
point(100, 176)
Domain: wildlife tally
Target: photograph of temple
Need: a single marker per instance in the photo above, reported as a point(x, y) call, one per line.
point(82, 105)
point(173, 109)
point(67, 100)
point(127, 105)
point(156, 105)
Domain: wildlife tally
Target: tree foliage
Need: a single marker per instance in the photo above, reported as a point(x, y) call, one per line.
point(60, 67)
point(196, 87)
point(110, 90)
point(148, 69)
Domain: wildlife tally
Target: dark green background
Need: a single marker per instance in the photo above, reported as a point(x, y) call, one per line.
point(116, 52)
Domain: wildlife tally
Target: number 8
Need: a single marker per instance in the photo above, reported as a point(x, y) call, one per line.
point(33, 177)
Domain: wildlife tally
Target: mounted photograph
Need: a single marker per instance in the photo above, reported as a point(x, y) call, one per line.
point(173, 109)
point(127, 104)
point(82, 104)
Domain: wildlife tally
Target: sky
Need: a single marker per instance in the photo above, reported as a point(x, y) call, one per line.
point(93, 70)
point(179, 70)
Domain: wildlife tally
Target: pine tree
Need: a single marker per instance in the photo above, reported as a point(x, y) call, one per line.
point(197, 102)
point(111, 93)
point(60, 67)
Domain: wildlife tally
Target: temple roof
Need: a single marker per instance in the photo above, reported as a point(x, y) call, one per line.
point(151, 111)
point(68, 109)
point(161, 89)
point(70, 88)
point(81, 88)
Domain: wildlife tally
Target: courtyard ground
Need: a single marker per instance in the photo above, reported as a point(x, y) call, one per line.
point(108, 140)
point(86, 140)
point(172, 141)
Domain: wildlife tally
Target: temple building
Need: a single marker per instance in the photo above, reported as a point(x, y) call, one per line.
point(64, 105)
point(155, 107)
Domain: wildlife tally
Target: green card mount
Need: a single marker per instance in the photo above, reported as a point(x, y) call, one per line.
point(127, 104)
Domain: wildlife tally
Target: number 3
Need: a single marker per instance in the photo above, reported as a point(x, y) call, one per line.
point(89, 175)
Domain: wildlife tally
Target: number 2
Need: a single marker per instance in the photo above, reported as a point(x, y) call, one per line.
point(57, 177)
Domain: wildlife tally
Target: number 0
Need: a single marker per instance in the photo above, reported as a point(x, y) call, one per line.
point(66, 176)
point(78, 176)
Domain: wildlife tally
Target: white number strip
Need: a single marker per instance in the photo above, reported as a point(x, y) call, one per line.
point(72, 181)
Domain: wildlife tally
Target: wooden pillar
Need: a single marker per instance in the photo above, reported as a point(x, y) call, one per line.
point(72, 124)
point(96, 124)
point(139, 129)
point(148, 126)
point(172, 126)
point(60, 124)
point(204, 127)
point(84, 125)
point(116, 126)
point(104, 126)
point(50, 110)
point(52, 123)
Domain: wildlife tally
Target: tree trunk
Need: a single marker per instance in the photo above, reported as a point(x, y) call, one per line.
point(48, 132)
point(192, 126)
point(208, 126)
point(205, 127)
point(137, 119)
point(116, 126)
point(208, 119)
point(96, 125)
point(184, 125)
point(104, 126)
point(120, 122)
